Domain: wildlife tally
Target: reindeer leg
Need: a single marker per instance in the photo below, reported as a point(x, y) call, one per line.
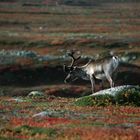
point(110, 80)
point(92, 84)
point(115, 74)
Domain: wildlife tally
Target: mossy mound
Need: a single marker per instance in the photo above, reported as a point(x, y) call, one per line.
point(122, 95)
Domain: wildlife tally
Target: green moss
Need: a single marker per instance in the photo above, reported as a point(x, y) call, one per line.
point(95, 100)
point(94, 45)
point(11, 42)
point(24, 43)
point(8, 138)
point(86, 101)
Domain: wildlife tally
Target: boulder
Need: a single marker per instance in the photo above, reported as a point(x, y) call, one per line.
point(121, 95)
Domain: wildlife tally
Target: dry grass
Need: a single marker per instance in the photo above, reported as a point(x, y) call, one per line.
point(67, 27)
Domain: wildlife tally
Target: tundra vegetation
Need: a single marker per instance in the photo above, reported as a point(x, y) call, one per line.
point(34, 38)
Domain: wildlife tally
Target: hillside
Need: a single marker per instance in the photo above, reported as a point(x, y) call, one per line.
point(69, 2)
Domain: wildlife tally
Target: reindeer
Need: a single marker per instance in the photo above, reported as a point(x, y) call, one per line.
point(92, 70)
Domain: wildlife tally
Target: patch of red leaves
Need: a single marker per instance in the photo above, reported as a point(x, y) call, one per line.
point(46, 122)
point(119, 115)
point(22, 137)
point(1, 107)
point(102, 134)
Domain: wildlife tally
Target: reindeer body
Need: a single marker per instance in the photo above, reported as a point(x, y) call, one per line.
point(101, 69)
point(94, 70)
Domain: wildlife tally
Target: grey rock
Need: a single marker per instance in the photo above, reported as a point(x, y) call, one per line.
point(36, 93)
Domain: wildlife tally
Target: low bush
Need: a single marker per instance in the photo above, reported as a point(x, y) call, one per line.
point(125, 97)
point(128, 97)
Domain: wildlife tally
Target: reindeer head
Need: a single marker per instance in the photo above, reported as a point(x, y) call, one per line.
point(71, 70)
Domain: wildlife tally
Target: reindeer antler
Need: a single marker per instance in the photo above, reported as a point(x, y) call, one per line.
point(71, 54)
